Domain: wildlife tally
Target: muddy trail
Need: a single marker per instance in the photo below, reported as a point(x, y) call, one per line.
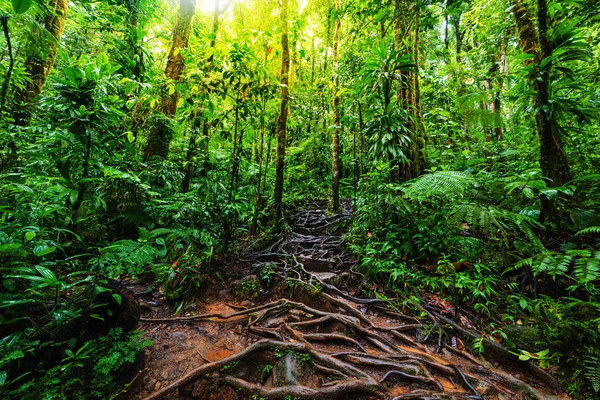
point(290, 320)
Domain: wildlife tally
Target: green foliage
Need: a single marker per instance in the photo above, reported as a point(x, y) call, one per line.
point(592, 369)
point(85, 372)
point(582, 266)
point(439, 184)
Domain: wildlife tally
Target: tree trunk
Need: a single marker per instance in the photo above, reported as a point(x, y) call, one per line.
point(409, 94)
point(282, 120)
point(553, 160)
point(159, 139)
point(39, 65)
point(335, 153)
point(187, 178)
point(6, 82)
point(133, 6)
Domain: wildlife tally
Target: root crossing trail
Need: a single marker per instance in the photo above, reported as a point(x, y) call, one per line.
point(304, 332)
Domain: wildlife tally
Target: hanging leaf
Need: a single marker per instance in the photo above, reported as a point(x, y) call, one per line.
point(73, 195)
point(21, 6)
point(42, 250)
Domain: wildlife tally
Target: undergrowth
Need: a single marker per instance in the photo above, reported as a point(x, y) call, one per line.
point(481, 241)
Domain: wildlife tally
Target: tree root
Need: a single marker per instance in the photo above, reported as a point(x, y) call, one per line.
point(336, 390)
point(381, 352)
point(362, 381)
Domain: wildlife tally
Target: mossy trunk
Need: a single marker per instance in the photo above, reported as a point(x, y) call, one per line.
point(335, 147)
point(159, 138)
point(553, 159)
point(38, 66)
point(283, 111)
point(406, 39)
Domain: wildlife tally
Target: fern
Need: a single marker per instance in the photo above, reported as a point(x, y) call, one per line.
point(441, 183)
point(126, 256)
point(585, 265)
point(489, 218)
point(591, 363)
point(591, 230)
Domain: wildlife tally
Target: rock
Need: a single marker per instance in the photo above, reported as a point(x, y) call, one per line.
point(286, 370)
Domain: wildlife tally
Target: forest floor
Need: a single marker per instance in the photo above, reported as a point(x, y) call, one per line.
point(285, 321)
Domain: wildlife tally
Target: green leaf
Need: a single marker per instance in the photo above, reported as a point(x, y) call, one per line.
point(73, 196)
point(4, 248)
point(42, 250)
point(46, 273)
point(543, 353)
point(523, 303)
point(29, 236)
point(117, 298)
point(21, 6)
point(11, 303)
point(524, 357)
point(3, 376)
point(99, 289)
point(130, 137)
point(74, 75)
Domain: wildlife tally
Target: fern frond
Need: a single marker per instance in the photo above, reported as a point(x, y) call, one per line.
point(157, 233)
point(591, 230)
point(487, 218)
point(587, 268)
point(592, 370)
point(441, 183)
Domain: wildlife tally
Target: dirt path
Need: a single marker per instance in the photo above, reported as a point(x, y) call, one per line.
point(294, 328)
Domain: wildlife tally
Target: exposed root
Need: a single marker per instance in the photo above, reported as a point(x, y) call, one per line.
point(336, 390)
point(346, 350)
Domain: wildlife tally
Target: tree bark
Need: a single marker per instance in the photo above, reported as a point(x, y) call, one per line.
point(133, 6)
point(409, 94)
point(553, 159)
point(39, 65)
point(335, 147)
point(282, 119)
point(159, 139)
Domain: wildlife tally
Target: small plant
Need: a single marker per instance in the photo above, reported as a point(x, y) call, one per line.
point(250, 287)
point(541, 356)
point(267, 368)
point(266, 272)
point(230, 365)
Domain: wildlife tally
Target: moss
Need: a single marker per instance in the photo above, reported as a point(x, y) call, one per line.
point(519, 337)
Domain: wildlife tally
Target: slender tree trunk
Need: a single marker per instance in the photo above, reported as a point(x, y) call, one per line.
point(459, 38)
point(283, 110)
point(234, 152)
point(553, 160)
point(493, 84)
point(6, 82)
point(134, 39)
point(409, 94)
point(335, 153)
point(418, 157)
point(159, 139)
point(257, 201)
